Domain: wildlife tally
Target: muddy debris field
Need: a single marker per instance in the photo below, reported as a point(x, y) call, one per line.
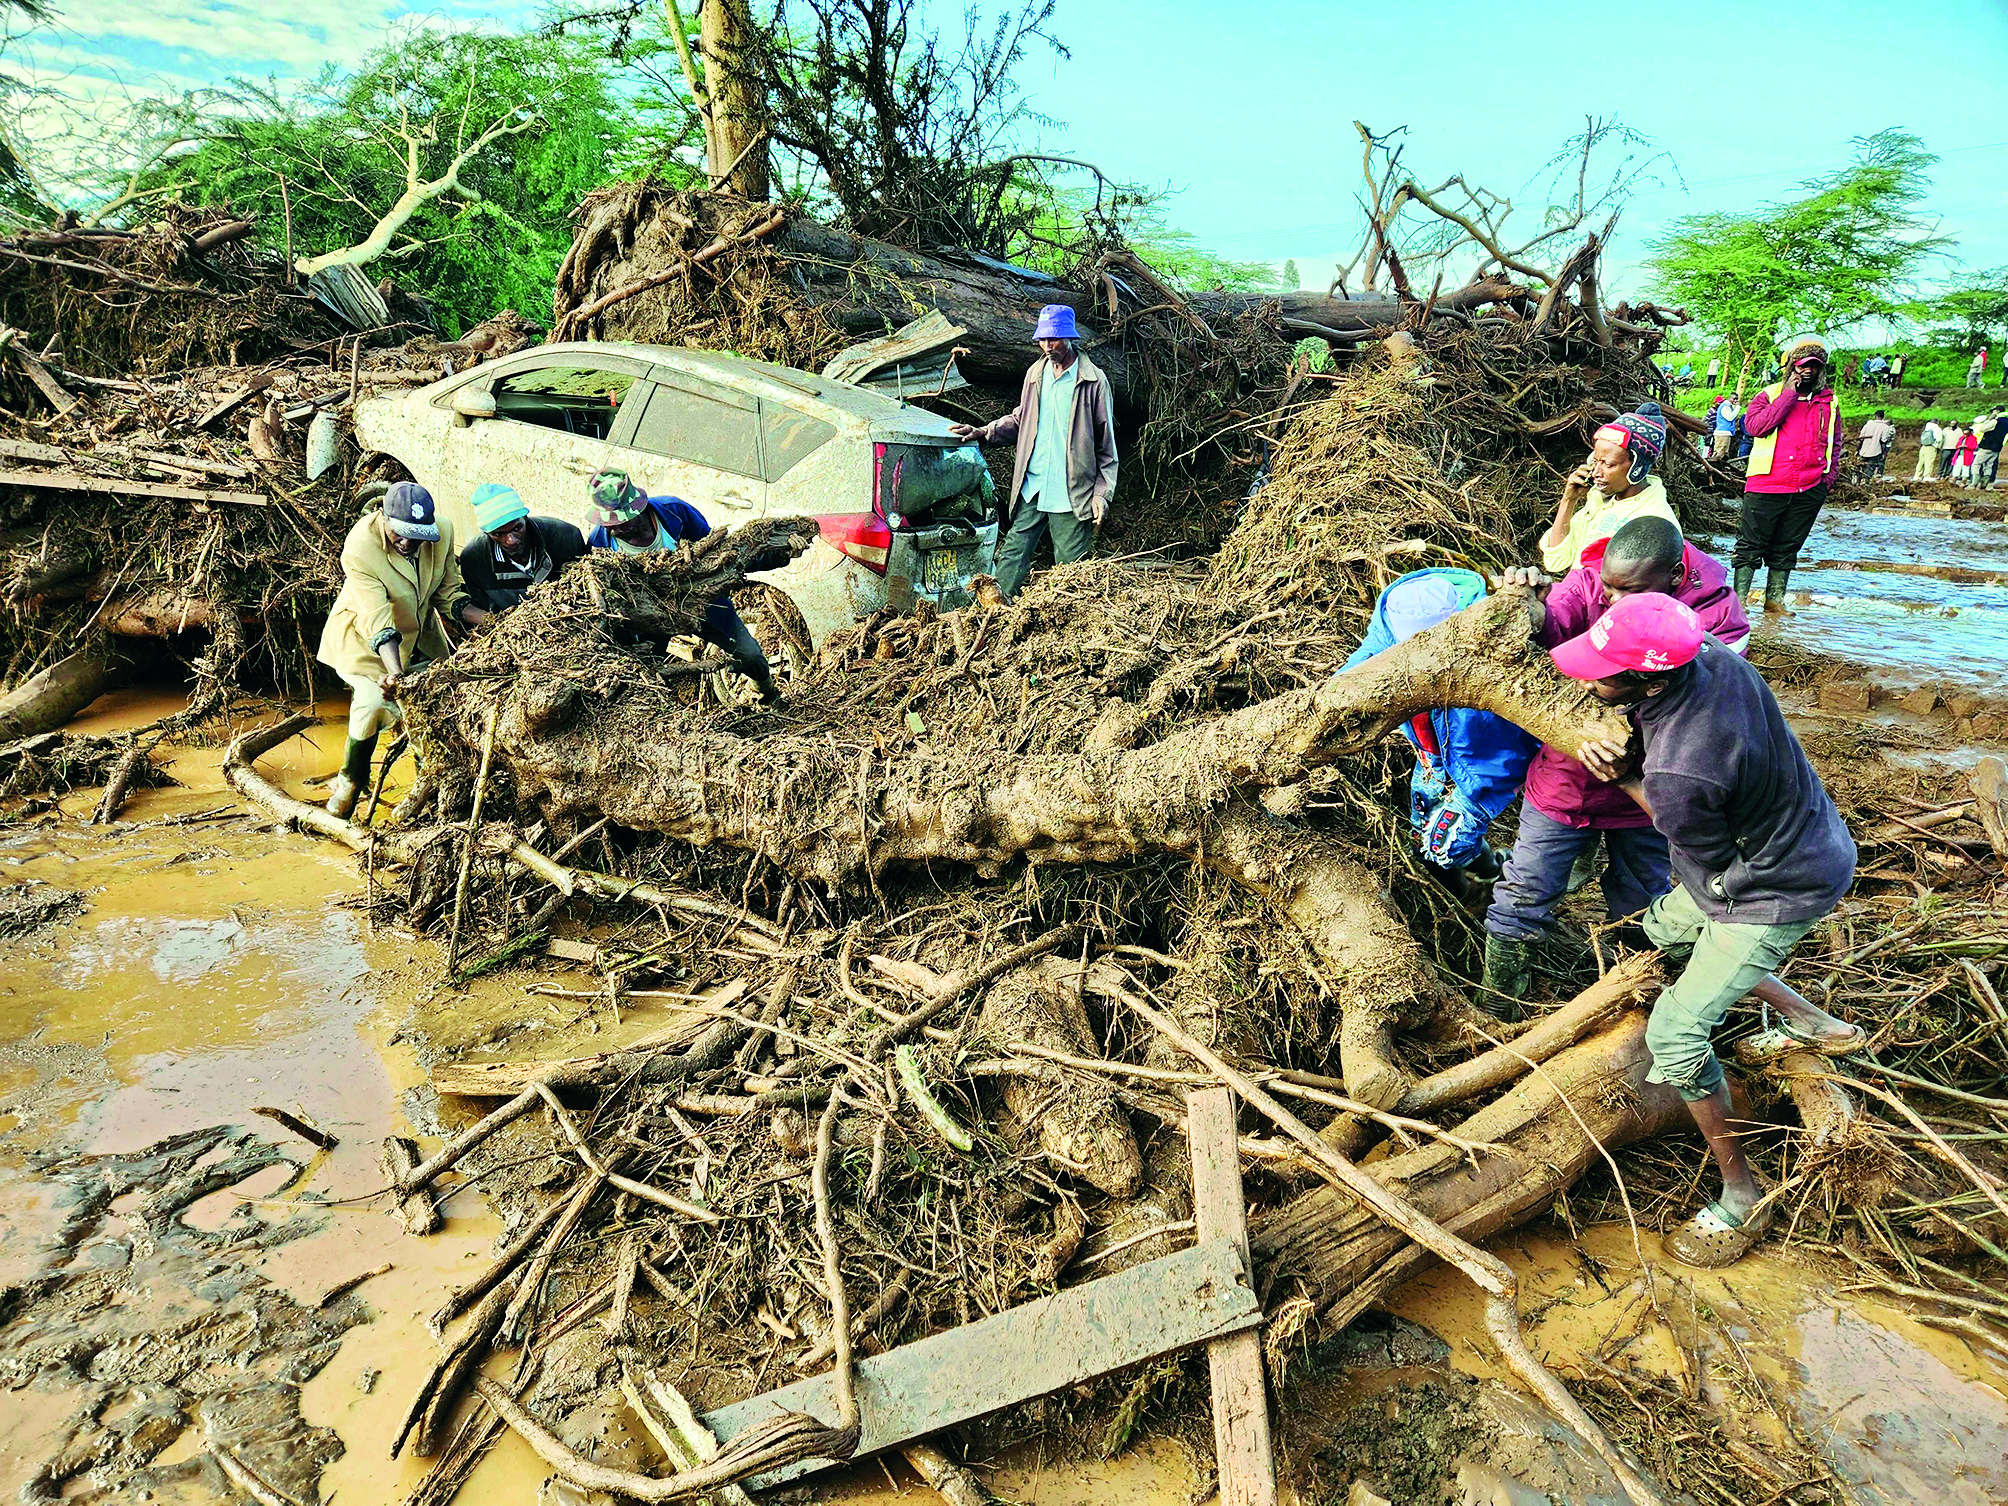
point(1013, 1064)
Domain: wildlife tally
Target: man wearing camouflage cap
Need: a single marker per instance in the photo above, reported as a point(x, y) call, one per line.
point(627, 520)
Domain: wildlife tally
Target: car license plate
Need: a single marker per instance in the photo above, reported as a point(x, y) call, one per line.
point(939, 570)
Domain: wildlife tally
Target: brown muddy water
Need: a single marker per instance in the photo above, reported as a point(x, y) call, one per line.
point(158, 1324)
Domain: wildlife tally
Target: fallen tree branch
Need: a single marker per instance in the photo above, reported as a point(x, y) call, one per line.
point(783, 1440)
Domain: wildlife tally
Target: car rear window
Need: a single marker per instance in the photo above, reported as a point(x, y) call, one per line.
point(686, 424)
point(930, 481)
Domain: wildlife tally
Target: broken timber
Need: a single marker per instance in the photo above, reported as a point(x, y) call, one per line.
point(117, 486)
point(1244, 1453)
point(1198, 1294)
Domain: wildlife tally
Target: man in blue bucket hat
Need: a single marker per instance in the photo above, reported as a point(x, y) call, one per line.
point(1065, 469)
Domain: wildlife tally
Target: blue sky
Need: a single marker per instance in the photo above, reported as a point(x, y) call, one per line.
point(1247, 110)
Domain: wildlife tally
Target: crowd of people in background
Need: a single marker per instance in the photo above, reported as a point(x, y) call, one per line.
point(1965, 454)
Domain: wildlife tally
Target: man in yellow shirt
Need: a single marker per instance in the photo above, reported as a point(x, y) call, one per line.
point(1609, 489)
point(400, 575)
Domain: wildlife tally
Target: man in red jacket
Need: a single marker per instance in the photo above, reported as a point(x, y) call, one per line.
point(1797, 454)
point(1566, 811)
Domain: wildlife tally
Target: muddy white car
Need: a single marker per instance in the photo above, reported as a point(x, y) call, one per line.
point(903, 508)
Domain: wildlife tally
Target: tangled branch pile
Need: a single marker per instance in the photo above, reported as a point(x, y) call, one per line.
point(185, 289)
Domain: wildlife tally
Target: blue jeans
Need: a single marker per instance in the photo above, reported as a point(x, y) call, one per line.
point(1639, 870)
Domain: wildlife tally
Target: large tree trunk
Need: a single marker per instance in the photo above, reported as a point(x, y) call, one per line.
point(821, 812)
point(867, 288)
point(1332, 1242)
point(737, 157)
point(49, 699)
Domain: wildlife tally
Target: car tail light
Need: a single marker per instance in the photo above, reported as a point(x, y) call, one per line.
point(863, 536)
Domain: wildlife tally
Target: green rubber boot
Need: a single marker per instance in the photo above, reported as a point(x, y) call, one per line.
point(1509, 973)
point(347, 787)
point(1774, 592)
point(1746, 578)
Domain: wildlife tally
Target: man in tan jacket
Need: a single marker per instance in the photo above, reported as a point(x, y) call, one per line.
point(399, 574)
point(1065, 469)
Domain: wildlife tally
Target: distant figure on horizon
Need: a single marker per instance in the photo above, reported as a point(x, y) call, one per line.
point(1723, 440)
point(1962, 459)
point(1896, 370)
point(1928, 439)
point(1714, 370)
point(1976, 369)
point(1991, 429)
point(1948, 449)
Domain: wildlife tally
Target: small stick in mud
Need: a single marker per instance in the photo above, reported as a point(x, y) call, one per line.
point(473, 839)
point(344, 1287)
point(315, 1136)
point(833, 1275)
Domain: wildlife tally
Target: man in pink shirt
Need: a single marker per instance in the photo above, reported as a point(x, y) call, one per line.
point(1566, 811)
point(1796, 455)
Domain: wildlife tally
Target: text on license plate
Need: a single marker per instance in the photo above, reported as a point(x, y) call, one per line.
point(939, 570)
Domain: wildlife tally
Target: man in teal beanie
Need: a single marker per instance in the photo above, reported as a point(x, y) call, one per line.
point(514, 551)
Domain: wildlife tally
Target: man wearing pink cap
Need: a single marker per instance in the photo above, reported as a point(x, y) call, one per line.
point(1567, 813)
point(1065, 470)
point(1760, 853)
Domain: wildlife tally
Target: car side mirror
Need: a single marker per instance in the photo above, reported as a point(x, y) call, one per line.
point(470, 403)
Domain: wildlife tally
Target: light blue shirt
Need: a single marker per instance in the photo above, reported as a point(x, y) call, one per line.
point(662, 540)
point(1046, 476)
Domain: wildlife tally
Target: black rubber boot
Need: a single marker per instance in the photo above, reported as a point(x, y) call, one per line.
point(1509, 973)
point(1774, 592)
point(1746, 578)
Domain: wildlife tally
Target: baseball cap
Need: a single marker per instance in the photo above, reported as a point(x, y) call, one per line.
point(1649, 631)
point(409, 513)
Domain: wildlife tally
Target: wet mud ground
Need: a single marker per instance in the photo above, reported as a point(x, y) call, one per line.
point(164, 1250)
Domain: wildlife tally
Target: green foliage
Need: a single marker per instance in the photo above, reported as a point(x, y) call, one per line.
point(337, 154)
point(1292, 279)
point(1970, 315)
point(1845, 252)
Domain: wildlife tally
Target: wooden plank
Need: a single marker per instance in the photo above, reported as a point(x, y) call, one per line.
point(1032, 1350)
point(27, 449)
point(1242, 1446)
point(74, 481)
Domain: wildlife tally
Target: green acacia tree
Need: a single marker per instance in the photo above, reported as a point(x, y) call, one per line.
point(451, 160)
point(1849, 249)
point(1969, 314)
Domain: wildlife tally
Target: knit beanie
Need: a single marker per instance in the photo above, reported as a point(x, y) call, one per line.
point(497, 506)
point(1643, 433)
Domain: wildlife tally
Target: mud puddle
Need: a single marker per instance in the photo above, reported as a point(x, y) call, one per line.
point(1909, 627)
point(212, 970)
